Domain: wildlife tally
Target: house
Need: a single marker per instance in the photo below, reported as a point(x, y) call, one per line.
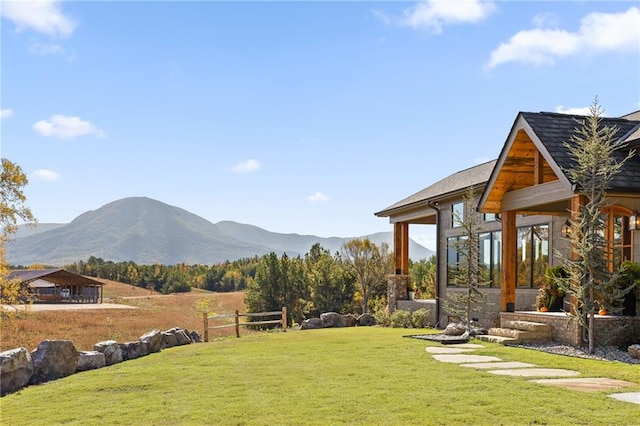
point(524, 202)
point(59, 285)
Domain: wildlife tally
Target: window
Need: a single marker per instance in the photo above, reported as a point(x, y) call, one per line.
point(490, 217)
point(617, 235)
point(533, 255)
point(490, 257)
point(457, 214)
point(455, 260)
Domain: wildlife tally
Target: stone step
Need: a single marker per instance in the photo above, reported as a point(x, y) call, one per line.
point(522, 336)
point(527, 326)
point(498, 339)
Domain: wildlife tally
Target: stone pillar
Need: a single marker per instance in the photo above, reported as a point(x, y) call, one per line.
point(396, 290)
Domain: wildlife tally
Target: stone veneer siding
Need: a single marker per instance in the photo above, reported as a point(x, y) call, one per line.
point(610, 330)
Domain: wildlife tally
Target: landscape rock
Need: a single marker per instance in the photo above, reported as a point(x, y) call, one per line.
point(153, 339)
point(455, 329)
point(169, 340)
point(133, 350)
point(334, 319)
point(54, 359)
point(367, 320)
point(183, 337)
point(311, 324)
point(195, 337)
point(634, 351)
point(16, 369)
point(91, 360)
point(111, 351)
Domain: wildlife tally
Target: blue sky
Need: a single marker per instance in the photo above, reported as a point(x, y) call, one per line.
point(298, 117)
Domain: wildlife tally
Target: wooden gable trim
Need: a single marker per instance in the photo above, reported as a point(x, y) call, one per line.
point(534, 160)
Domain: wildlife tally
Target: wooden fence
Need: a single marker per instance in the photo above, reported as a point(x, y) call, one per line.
point(236, 323)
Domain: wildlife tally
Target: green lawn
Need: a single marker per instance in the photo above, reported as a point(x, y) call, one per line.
point(361, 375)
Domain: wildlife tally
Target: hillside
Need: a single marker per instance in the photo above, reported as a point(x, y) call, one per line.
point(148, 231)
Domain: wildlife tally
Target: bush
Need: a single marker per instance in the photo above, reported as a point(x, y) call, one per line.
point(420, 318)
point(401, 319)
point(382, 318)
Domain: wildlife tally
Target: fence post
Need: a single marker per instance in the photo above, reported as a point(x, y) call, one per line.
point(237, 323)
point(284, 319)
point(205, 317)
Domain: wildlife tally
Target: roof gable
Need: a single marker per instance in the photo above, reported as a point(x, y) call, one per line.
point(535, 153)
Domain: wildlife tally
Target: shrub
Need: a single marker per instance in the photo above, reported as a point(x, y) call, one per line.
point(401, 319)
point(420, 318)
point(382, 318)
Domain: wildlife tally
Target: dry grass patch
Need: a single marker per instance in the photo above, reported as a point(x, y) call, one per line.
point(85, 328)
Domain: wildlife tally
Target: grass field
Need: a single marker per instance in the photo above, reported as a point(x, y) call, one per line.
point(360, 375)
point(85, 328)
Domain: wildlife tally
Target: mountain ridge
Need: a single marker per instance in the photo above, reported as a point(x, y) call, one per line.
point(148, 231)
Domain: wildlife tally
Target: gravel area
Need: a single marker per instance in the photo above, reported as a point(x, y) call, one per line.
point(605, 353)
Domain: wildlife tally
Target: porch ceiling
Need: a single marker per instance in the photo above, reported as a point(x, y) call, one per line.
point(523, 167)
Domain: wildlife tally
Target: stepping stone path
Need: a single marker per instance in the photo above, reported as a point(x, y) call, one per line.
point(458, 354)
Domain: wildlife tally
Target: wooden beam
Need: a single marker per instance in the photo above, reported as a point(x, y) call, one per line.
point(401, 248)
point(508, 282)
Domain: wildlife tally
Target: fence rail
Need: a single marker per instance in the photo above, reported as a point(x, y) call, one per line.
point(236, 323)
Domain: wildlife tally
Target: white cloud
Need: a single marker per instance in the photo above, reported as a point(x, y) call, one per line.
point(318, 197)
point(66, 127)
point(598, 33)
point(6, 113)
point(43, 16)
point(44, 49)
point(246, 166)
point(434, 15)
point(44, 175)
point(573, 111)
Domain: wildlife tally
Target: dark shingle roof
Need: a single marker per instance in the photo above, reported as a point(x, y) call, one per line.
point(553, 130)
point(451, 184)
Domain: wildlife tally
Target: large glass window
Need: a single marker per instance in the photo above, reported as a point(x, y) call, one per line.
point(533, 255)
point(490, 255)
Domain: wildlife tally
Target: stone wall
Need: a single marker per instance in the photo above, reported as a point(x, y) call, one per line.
point(54, 359)
point(610, 330)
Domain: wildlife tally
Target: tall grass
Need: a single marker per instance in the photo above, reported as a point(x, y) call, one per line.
point(85, 328)
point(363, 375)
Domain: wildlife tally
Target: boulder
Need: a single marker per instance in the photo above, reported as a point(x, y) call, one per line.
point(183, 337)
point(16, 369)
point(334, 319)
point(311, 324)
point(54, 359)
point(153, 339)
point(455, 329)
point(195, 337)
point(111, 351)
point(634, 351)
point(133, 350)
point(91, 360)
point(367, 320)
point(169, 340)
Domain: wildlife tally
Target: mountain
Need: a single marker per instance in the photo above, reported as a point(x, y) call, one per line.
point(148, 231)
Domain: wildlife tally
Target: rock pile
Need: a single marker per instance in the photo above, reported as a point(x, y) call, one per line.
point(334, 319)
point(54, 359)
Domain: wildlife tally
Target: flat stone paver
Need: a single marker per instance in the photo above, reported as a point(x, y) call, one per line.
point(446, 350)
point(466, 346)
point(633, 397)
point(587, 384)
point(461, 358)
point(536, 372)
point(503, 365)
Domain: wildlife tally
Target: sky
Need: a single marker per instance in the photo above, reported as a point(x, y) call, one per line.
point(294, 116)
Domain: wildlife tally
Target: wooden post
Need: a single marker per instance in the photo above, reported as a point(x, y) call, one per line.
point(508, 283)
point(205, 317)
point(284, 319)
point(237, 323)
